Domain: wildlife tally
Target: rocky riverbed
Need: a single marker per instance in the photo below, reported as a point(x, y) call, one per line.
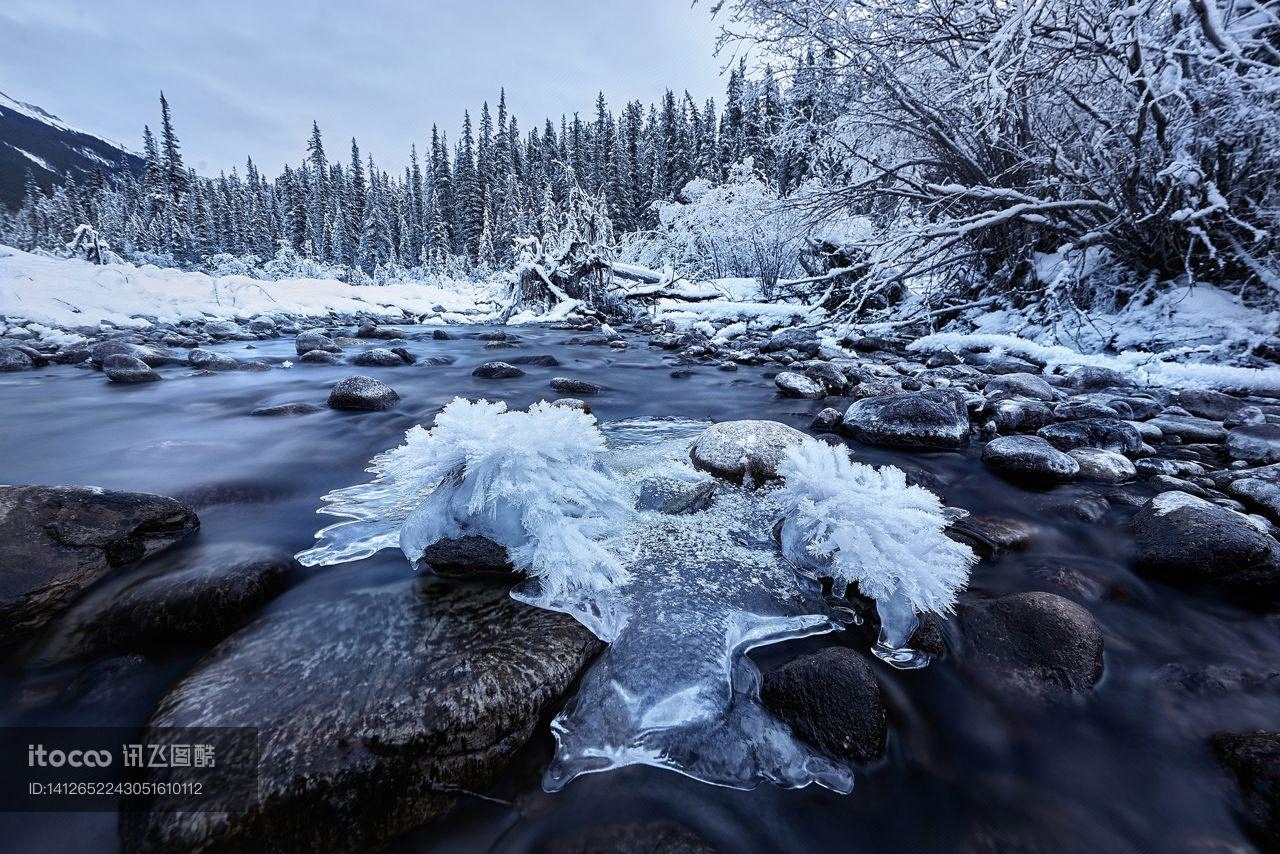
point(1109, 681)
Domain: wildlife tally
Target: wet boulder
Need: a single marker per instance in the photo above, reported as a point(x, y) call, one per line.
point(1019, 385)
point(57, 540)
point(826, 421)
point(1015, 415)
point(467, 555)
point(219, 329)
point(1189, 428)
point(1207, 403)
point(791, 384)
point(803, 341)
point(1261, 493)
point(542, 360)
point(149, 356)
point(376, 712)
point(287, 409)
point(497, 371)
point(737, 450)
point(1254, 759)
point(1182, 538)
point(362, 393)
point(202, 599)
point(319, 357)
point(1037, 645)
point(568, 385)
point(1090, 378)
point(128, 369)
point(207, 360)
point(1078, 410)
point(1255, 443)
point(13, 359)
point(937, 418)
point(1108, 434)
point(315, 339)
point(990, 535)
point(1028, 458)
point(378, 357)
point(1103, 466)
point(831, 700)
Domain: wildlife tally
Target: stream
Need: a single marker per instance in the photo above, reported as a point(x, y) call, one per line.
point(968, 768)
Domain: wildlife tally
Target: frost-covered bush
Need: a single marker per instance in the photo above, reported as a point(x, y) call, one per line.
point(226, 264)
point(866, 526)
point(531, 481)
point(288, 264)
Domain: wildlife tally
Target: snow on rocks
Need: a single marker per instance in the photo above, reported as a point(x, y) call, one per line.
point(13, 359)
point(315, 339)
point(497, 371)
point(1015, 415)
point(791, 384)
point(936, 418)
point(120, 368)
point(362, 393)
point(1108, 434)
point(207, 360)
point(1183, 538)
point(738, 450)
point(1103, 466)
point(378, 357)
point(1091, 378)
point(1030, 458)
point(1019, 385)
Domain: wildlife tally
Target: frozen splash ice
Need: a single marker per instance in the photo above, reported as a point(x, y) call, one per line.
point(680, 597)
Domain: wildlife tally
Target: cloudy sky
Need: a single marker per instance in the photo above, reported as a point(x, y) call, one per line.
point(248, 76)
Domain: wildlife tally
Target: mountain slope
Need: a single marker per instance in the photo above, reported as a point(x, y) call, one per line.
point(53, 150)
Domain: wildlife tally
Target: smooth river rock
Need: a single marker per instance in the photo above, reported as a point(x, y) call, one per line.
point(791, 384)
point(362, 394)
point(375, 712)
point(497, 371)
point(734, 450)
point(1108, 434)
point(1029, 458)
point(57, 540)
point(1255, 443)
point(120, 368)
point(1254, 759)
point(831, 699)
point(937, 418)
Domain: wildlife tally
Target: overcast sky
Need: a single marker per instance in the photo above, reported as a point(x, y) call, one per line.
point(248, 76)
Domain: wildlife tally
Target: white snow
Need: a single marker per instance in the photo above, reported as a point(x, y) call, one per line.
point(31, 111)
point(65, 293)
point(39, 161)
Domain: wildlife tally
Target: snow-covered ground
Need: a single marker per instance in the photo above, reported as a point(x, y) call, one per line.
point(66, 294)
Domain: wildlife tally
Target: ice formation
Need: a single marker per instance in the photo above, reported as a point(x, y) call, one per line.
point(864, 525)
point(678, 571)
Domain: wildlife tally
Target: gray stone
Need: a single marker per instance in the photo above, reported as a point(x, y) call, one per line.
point(1256, 443)
point(791, 384)
point(207, 360)
point(319, 357)
point(1108, 434)
point(827, 421)
point(315, 339)
point(937, 418)
point(57, 540)
point(362, 393)
point(128, 369)
point(1029, 458)
point(1019, 385)
point(287, 409)
point(831, 700)
point(1189, 428)
point(567, 385)
point(375, 711)
point(1254, 759)
point(497, 371)
point(1013, 415)
point(467, 555)
point(735, 450)
point(1094, 379)
point(378, 357)
point(13, 359)
point(1103, 466)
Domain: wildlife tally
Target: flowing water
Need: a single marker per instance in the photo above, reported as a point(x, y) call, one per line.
point(967, 768)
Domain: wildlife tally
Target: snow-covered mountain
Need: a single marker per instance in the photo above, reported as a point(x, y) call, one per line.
point(53, 150)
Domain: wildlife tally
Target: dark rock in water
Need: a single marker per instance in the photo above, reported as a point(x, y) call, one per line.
point(1014, 415)
point(1259, 493)
point(873, 343)
point(405, 355)
point(1188, 428)
point(683, 373)
point(467, 556)
point(1255, 443)
point(441, 335)
point(1019, 385)
point(1095, 379)
point(208, 360)
point(1108, 434)
point(315, 339)
point(147, 355)
point(501, 345)
point(201, 601)
point(362, 393)
point(56, 540)
point(497, 371)
point(439, 360)
point(804, 341)
point(1029, 458)
point(832, 378)
point(1183, 538)
point(572, 403)
point(13, 359)
point(567, 385)
point(1209, 404)
point(676, 497)
point(374, 710)
point(938, 418)
point(791, 384)
point(1254, 759)
point(827, 421)
point(287, 409)
point(542, 360)
point(378, 357)
point(128, 369)
point(319, 357)
point(1036, 644)
point(831, 700)
point(735, 450)
point(992, 535)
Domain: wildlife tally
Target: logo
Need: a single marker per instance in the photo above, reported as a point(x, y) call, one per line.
point(38, 757)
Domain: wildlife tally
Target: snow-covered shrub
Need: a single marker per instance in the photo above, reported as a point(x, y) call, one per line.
point(531, 481)
point(226, 264)
point(288, 264)
point(866, 526)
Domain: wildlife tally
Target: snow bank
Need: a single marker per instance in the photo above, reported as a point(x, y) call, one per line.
point(63, 293)
point(1146, 368)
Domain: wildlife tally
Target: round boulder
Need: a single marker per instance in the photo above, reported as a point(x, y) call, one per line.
point(791, 384)
point(1028, 458)
point(497, 371)
point(568, 385)
point(937, 418)
point(315, 339)
point(207, 360)
point(128, 369)
point(1109, 434)
point(736, 450)
point(1103, 466)
point(378, 357)
point(1255, 443)
point(362, 393)
point(830, 699)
